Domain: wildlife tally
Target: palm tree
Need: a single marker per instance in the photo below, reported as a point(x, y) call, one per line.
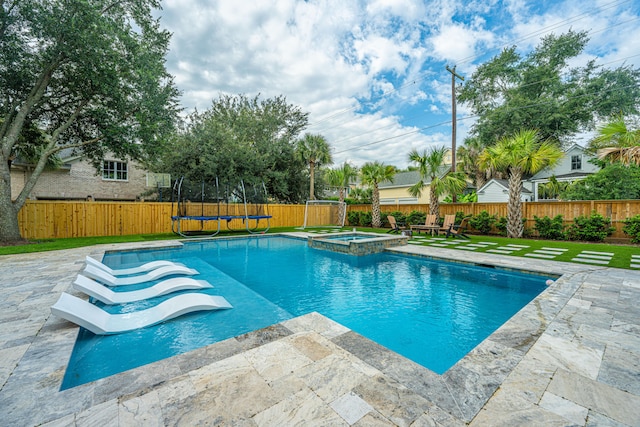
point(372, 174)
point(615, 142)
point(523, 153)
point(314, 150)
point(468, 155)
point(429, 165)
point(341, 177)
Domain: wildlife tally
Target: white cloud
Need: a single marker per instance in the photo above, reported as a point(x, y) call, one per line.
point(335, 59)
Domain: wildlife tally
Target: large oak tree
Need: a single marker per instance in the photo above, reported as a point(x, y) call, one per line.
point(542, 91)
point(246, 138)
point(87, 75)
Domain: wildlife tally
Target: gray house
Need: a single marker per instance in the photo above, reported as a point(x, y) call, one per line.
point(573, 166)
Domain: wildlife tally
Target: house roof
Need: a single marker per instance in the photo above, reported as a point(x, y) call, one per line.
point(504, 183)
point(407, 179)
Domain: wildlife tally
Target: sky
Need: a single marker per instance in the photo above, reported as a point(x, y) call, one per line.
point(372, 74)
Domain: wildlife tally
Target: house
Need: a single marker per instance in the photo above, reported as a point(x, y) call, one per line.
point(573, 166)
point(77, 179)
point(396, 192)
point(497, 191)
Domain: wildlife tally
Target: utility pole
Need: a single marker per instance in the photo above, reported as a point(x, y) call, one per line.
point(453, 119)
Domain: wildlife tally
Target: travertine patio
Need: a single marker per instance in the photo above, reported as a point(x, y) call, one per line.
point(568, 358)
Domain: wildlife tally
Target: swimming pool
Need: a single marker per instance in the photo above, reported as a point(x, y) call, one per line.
point(432, 312)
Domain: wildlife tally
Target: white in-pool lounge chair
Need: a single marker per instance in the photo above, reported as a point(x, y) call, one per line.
point(144, 268)
point(158, 273)
point(100, 322)
point(107, 296)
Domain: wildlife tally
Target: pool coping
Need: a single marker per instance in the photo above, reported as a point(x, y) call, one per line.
point(461, 395)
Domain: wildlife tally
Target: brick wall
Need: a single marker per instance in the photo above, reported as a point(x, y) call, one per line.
point(81, 181)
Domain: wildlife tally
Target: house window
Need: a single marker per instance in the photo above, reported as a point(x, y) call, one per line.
point(576, 162)
point(113, 170)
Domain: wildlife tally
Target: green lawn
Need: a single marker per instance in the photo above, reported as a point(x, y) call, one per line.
point(619, 256)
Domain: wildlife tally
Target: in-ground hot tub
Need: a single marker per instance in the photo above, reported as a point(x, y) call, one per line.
point(356, 243)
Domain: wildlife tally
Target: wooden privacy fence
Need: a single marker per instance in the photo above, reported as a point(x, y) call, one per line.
point(616, 210)
point(56, 219)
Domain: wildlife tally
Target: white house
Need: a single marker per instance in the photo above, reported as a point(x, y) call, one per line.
point(497, 191)
point(573, 166)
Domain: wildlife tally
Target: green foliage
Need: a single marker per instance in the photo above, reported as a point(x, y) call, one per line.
point(594, 228)
point(460, 216)
point(632, 228)
point(614, 182)
point(361, 219)
point(365, 219)
point(399, 216)
point(552, 229)
point(416, 217)
point(483, 222)
point(501, 225)
point(353, 217)
point(463, 198)
point(83, 75)
point(543, 91)
point(241, 137)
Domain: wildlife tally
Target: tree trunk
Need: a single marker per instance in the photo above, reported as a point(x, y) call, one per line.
point(341, 207)
point(434, 204)
point(9, 227)
point(375, 208)
point(312, 189)
point(515, 227)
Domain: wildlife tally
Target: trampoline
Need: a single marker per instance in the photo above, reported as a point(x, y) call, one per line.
point(196, 206)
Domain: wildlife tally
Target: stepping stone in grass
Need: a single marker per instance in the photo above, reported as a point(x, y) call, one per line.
point(603, 257)
point(555, 249)
point(539, 251)
point(635, 266)
point(539, 255)
point(440, 245)
point(517, 246)
point(499, 251)
point(467, 248)
point(591, 261)
point(488, 243)
point(598, 253)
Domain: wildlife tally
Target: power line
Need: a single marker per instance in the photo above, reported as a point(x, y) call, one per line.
point(447, 122)
point(470, 58)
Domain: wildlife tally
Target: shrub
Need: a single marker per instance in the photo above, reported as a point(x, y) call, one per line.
point(416, 217)
point(501, 225)
point(399, 216)
point(353, 217)
point(365, 219)
point(594, 228)
point(552, 229)
point(632, 228)
point(483, 222)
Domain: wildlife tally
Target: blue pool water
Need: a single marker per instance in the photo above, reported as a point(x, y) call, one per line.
point(432, 312)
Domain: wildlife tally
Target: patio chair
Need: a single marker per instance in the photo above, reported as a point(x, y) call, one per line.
point(144, 268)
point(430, 224)
point(449, 220)
point(395, 226)
point(458, 230)
point(158, 273)
point(107, 296)
point(98, 321)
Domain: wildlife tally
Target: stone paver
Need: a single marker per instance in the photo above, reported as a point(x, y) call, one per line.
point(570, 357)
